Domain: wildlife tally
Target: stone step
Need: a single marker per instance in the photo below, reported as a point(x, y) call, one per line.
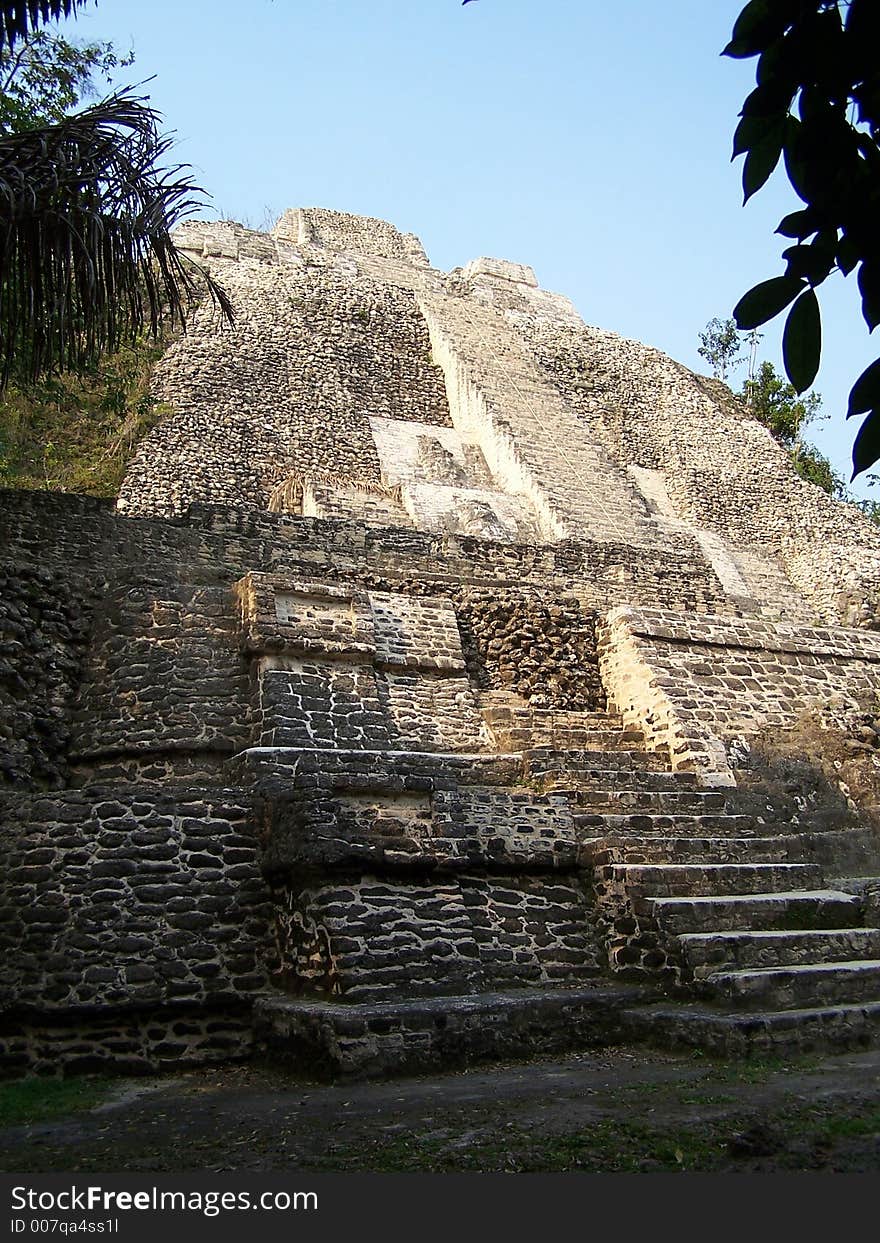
point(634, 849)
point(736, 1034)
point(791, 987)
point(645, 824)
point(417, 1035)
point(640, 880)
point(573, 759)
point(565, 738)
point(792, 911)
point(617, 801)
point(855, 849)
point(503, 714)
point(602, 780)
point(706, 952)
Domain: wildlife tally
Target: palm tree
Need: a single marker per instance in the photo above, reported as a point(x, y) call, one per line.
point(18, 18)
point(86, 257)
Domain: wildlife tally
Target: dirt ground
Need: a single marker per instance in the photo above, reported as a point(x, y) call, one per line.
point(614, 1110)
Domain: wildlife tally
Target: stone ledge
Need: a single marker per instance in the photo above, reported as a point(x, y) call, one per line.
point(714, 630)
point(412, 1036)
point(805, 1030)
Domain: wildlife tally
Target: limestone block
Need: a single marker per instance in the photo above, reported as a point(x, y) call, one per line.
point(284, 615)
point(503, 269)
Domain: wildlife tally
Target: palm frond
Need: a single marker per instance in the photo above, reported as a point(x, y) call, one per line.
point(19, 18)
point(86, 260)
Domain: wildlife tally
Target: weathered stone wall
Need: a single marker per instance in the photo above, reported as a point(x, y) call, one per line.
point(542, 648)
point(123, 898)
point(315, 352)
point(694, 684)
point(547, 429)
point(369, 940)
point(165, 617)
point(410, 875)
point(45, 618)
point(164, 674)
point(721, 470)
point(369, 580)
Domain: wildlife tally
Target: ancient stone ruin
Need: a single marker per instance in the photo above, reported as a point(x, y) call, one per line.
point(431, 693)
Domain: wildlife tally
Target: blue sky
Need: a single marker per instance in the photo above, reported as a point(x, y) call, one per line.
point(590, 140)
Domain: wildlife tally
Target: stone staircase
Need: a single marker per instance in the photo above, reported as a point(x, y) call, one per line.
point(720, 928)
point(731, 914)
point(527, 431)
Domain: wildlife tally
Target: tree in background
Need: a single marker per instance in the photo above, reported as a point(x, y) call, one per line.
point(86, 259)
point(44, 77)
point(817, 107)
point(720, 345)
point(773, 402)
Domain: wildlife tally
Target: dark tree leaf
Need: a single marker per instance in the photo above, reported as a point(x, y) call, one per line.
point(753, 131)
point(772, 99)
point(866, 449)
point(812, 262)
point(865, 394)
point(86, 259)
point(795, 165)
point(766, 300)
point(799, 224)
point(760, 22)
point(19, 18)
point(848, 255)
point(863, 20)
point(869, 287)
point(802, 341)
point(760, 163)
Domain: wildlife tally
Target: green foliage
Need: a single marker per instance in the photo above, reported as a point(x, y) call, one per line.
point(86, 209)
point(86, 258)
point(816, 106)
point(776, 404)
point(45, 77)
point(73, 433)
point(720, 344)
point(813, 466)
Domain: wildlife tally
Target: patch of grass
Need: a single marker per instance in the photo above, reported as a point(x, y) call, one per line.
point(707, 1098)
point(24, 1101)
point(854, 1125)
point(760, 1069)
point(608, 1146)
point(73, 433)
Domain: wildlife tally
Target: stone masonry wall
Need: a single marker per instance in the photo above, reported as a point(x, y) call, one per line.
point(316, 351)
point(372, 940)
point(123, 898)
point(45, 619)
point(341, 326)
point(165, 616)
point(164, 674)
point(485, 517)
point(695, 684)
point(722, 470)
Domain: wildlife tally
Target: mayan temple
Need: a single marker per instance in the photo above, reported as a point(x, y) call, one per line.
point(451, 680)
